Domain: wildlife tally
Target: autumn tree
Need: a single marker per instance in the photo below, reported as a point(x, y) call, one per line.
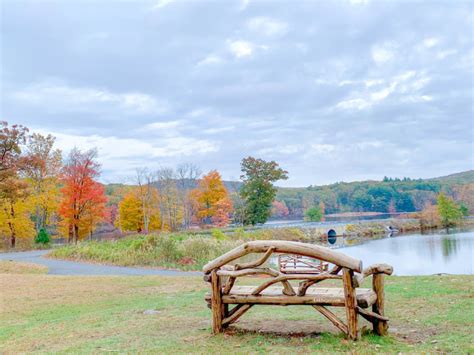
point(429, 216)
point(147, 195)
point(187, 175)
point(42, 168)
point(279, 209)
point(131, 216)
point(171, 211)
point(258, 191)
point(449, 211)
point(11, 140)
point(14, 193)
point(15, 211)
point(83, 199)
point(212, 202)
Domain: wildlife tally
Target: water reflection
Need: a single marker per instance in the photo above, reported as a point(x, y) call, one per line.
point(414, 254)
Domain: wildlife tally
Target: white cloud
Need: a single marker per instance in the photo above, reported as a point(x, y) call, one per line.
point(241, 49)
point(408, 84)
point(267, 26)
point(243, 5)
point(446, 53)
point(161, 3)
point(210, 60)
point(157, 126)
point(57, 96)
point(430, 42)
point(359, 2)
point(219, 130)
point(287, 149)
point(350, 104)
point(120, 156)
point(383, 53)
point(322, 148)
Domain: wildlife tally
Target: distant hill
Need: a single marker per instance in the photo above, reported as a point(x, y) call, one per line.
point(465, 177)
point(388, 195)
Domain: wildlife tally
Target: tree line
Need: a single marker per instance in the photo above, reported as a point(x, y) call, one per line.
point(386, 196)
point(40, 192)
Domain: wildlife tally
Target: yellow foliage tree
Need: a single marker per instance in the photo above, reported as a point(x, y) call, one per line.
point(15, 217)
point(131, 212)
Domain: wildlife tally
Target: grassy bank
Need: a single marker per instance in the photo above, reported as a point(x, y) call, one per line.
point(45, 313)
point(178, 250)
point(190, 251)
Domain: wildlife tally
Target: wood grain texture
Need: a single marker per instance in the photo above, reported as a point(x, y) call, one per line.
point(380, 327)
point(217, 306)
point(351, 304)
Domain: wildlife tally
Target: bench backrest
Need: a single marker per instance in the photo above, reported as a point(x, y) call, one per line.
point(286, 247)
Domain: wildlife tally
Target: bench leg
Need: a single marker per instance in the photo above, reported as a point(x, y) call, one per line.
point(217, 306)
point(380, 327)
point(351, 304)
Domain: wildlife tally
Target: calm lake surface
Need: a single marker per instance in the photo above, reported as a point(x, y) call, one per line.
point(417, 254)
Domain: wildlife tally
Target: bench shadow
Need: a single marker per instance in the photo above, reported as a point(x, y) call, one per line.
point(288, 328)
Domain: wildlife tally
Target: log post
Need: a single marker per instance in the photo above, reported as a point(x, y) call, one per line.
point(380, 327)
point(351, 303)
point(217, 306)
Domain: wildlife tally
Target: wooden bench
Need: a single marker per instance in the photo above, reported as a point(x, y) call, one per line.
point(277, 288)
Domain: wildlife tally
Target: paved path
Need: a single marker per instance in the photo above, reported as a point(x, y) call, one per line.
point(64, 267)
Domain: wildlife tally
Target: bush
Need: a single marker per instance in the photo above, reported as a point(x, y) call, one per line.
point(218, 234)
point(42, 237)
point(313, 214)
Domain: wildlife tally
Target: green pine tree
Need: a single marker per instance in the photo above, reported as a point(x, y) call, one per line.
point(42, 237)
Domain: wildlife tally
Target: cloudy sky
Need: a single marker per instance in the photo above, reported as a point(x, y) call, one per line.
point(332, 90)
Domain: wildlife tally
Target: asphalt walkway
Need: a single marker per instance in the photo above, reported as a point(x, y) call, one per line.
point(65, 267)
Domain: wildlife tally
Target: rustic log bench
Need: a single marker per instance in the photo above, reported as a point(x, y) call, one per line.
point(277, 289)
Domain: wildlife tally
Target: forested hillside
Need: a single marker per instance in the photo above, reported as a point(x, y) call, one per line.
point(388, 195)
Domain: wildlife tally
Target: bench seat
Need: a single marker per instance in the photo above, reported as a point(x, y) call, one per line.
point(314, 296)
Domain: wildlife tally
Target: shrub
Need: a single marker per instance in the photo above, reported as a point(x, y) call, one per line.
point(313, 214)
point(42, 237)
point(218, 234)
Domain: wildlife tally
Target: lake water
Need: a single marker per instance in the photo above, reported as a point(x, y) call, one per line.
point(416, 254)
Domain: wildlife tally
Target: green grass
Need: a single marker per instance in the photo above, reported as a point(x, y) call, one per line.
point(46, 313)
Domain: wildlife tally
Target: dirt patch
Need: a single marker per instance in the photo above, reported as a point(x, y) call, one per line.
point(278, 327)
point(413, 335)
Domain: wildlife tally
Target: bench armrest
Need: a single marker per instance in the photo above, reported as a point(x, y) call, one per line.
point(375, 269)
point(378, 269)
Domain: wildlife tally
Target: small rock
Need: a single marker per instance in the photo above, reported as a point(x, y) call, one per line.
point(434, 341)
point(151, 311)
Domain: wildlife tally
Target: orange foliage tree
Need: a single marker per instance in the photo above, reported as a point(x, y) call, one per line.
point(211, 201)
point(83, 199)
point(279, 209)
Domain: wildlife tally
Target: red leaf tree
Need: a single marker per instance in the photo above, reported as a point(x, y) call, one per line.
point(83, 199)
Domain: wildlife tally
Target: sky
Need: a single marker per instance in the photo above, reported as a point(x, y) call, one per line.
point(332, 90)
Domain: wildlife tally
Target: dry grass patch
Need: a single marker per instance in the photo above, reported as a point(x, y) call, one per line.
point(13, 267)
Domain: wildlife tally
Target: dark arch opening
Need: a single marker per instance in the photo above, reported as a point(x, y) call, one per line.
point(332, 236)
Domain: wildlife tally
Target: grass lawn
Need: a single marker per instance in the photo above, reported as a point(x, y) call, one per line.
point(46, 313)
